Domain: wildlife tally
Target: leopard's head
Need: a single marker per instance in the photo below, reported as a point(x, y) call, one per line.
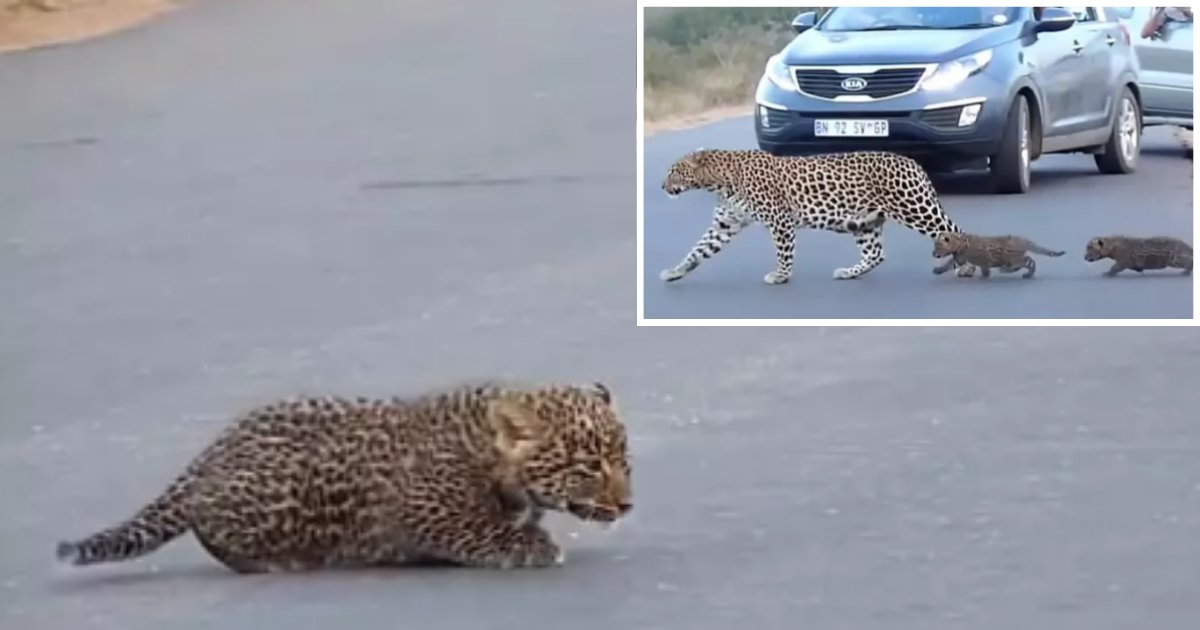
point(690, 172)
point(1096, 249)
point(948, 243)
point(567, 447)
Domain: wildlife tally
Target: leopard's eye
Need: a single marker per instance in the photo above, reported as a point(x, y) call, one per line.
point(586, 484)
point(588, 468)
point(589, 463)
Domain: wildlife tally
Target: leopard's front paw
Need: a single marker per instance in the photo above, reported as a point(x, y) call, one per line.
point(776, 277)
point(533, 548)
point(845, 273)
point(671, 275)
point(965, 271)
point(541, 551)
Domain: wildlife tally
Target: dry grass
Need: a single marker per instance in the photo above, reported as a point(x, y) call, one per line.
point(28, 24)
point(704, 64)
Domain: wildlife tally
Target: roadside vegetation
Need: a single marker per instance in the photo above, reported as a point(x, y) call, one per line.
point(28, 24)
point(698, 60)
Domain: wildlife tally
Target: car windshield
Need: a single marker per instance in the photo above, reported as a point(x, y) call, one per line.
point(916, 18)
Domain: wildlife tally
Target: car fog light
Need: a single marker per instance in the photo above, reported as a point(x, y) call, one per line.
point(763, 116)
point(969, 114)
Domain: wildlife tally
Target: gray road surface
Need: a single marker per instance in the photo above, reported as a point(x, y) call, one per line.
point(1070, 202)
point(254, 198)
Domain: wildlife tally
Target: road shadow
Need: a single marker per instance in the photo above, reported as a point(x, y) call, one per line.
point(472, 181)
point(1167, 151)
point(73, 581)
point(121, 577)
point(1145, 276)
point(978, 183)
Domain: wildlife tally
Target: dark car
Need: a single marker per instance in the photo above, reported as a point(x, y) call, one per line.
point(956, 87)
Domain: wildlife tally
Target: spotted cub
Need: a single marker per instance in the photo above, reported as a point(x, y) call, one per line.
point(459, 476)
point(849, 193)
point(1140, 254)
point(1007, 253)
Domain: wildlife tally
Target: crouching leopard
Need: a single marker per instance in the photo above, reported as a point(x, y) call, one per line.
point(848, 193)
point(457, 476)
point(1008, 253)
point(1140, 254)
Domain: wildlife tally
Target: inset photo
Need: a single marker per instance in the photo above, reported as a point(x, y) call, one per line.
point(817, 164)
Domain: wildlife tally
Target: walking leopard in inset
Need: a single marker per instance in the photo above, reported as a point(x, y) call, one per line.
point(1140, 254)
point(848, 193)
point(1007, 253)
point(459, 476)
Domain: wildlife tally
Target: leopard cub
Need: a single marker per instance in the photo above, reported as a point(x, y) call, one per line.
point(1139, 254)
point(460, 476)
point(1008, 253)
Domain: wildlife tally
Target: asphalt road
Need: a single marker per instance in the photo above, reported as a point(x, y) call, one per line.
point(1069, 202)
point(250, 199)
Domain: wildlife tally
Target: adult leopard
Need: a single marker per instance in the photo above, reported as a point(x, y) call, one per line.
point(849, 193)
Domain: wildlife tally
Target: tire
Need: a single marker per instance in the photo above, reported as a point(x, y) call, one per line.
point(1124, 140)
point(1010, 165)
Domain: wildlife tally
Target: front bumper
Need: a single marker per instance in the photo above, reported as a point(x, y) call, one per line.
point(919, 125)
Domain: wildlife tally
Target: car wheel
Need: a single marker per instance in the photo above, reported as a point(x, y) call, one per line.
point(1010, 165)
point(1124, 142)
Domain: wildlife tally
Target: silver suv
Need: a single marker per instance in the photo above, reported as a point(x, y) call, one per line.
point(1165, 77)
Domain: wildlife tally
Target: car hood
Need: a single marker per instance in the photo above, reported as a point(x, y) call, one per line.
point(815, 47)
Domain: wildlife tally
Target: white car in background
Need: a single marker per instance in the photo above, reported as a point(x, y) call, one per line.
point(1165, 75)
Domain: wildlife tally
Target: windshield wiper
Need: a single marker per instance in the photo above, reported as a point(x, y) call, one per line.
point(894, 27)
point(921, 27)
point(966, 26)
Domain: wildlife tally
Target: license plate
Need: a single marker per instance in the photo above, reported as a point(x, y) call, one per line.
point(852, 128)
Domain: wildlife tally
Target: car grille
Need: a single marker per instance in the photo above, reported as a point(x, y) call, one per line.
point(944, 118)
point(827, 83)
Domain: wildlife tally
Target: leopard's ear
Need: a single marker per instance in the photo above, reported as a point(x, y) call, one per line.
point(517, 426)
point(697, 157)
point(601, 390)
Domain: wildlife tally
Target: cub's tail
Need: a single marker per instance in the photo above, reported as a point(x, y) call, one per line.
point(1038, 249)
point(153, 526)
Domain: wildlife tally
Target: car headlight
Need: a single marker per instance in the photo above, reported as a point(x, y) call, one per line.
point(779, 73)
point(948, 75)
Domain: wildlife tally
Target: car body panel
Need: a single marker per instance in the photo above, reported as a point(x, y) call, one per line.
point(1072, 76)
point(1165, 67)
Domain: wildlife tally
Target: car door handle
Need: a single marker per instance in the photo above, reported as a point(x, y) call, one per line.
point(1108, 39)
point(1077, 47)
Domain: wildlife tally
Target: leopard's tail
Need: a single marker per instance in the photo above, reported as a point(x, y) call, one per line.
point(159, 522)
point(1038, 249)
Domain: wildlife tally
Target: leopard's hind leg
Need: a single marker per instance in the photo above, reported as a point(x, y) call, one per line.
point(1030, 264)
point(870, 248)
point(250, 524)
point(872, 219)
point(924, 215)
point(783, 234)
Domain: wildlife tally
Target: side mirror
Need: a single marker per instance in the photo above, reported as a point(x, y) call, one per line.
point(1054, 19)
point(804, 21)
